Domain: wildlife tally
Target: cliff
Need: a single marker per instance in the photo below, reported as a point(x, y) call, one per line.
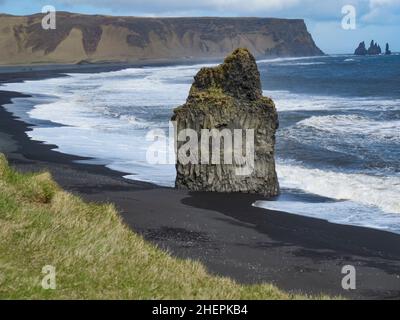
point(224, 100)
point(95, 38)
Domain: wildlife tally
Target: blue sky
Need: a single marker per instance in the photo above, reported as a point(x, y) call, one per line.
point(375, 19)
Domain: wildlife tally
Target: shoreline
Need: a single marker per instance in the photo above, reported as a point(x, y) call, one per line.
point(223, 231)
point(107, 65)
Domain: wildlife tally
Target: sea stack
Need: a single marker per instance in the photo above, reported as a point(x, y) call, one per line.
point(361, 49)
point(227, 98)
point(387, 50)
point(374, 48)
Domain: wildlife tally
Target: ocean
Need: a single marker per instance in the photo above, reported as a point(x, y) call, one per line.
point(338, 145)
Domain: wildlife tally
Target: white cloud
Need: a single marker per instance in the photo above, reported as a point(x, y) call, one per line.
point(379, 12)
point(312, 9)
point(185, 5)
point(382, 12)
point(378, 3)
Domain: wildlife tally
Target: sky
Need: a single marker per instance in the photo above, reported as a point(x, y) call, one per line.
point(377, 20)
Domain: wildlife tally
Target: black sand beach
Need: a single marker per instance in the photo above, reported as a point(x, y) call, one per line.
point(222, 231)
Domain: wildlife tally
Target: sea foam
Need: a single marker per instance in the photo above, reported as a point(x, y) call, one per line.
point(378, 191)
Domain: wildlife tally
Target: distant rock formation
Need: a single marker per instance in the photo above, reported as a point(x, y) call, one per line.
point(387, 50)
point(229, 96)
point(374, 48)
point(97, 38)
point(361, 49)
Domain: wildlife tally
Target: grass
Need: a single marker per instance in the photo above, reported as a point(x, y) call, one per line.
point(95, 255)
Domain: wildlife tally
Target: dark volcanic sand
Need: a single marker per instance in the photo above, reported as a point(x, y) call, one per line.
point(223, 231)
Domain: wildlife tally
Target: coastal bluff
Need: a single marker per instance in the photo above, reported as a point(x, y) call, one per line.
point(229, 97)
point(80, 38)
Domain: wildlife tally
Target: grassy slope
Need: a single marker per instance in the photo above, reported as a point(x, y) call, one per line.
point(95, 254)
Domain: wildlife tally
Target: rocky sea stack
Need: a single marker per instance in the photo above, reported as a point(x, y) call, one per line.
point(387, 49)
point(229, 96)
point(374, 49)
point(361, 49)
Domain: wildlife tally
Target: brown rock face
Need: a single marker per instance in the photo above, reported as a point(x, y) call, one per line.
point(228, 99)
point(96, 38)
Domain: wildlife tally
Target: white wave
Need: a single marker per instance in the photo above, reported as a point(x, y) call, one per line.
point(289, 101)
point(354, 124)
point(122, 151)
point(341, 212)
point(81, 99)
point(378, 191)
point(300, 63)
point(349, 60)
point(104, 115)
point(273, 60)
